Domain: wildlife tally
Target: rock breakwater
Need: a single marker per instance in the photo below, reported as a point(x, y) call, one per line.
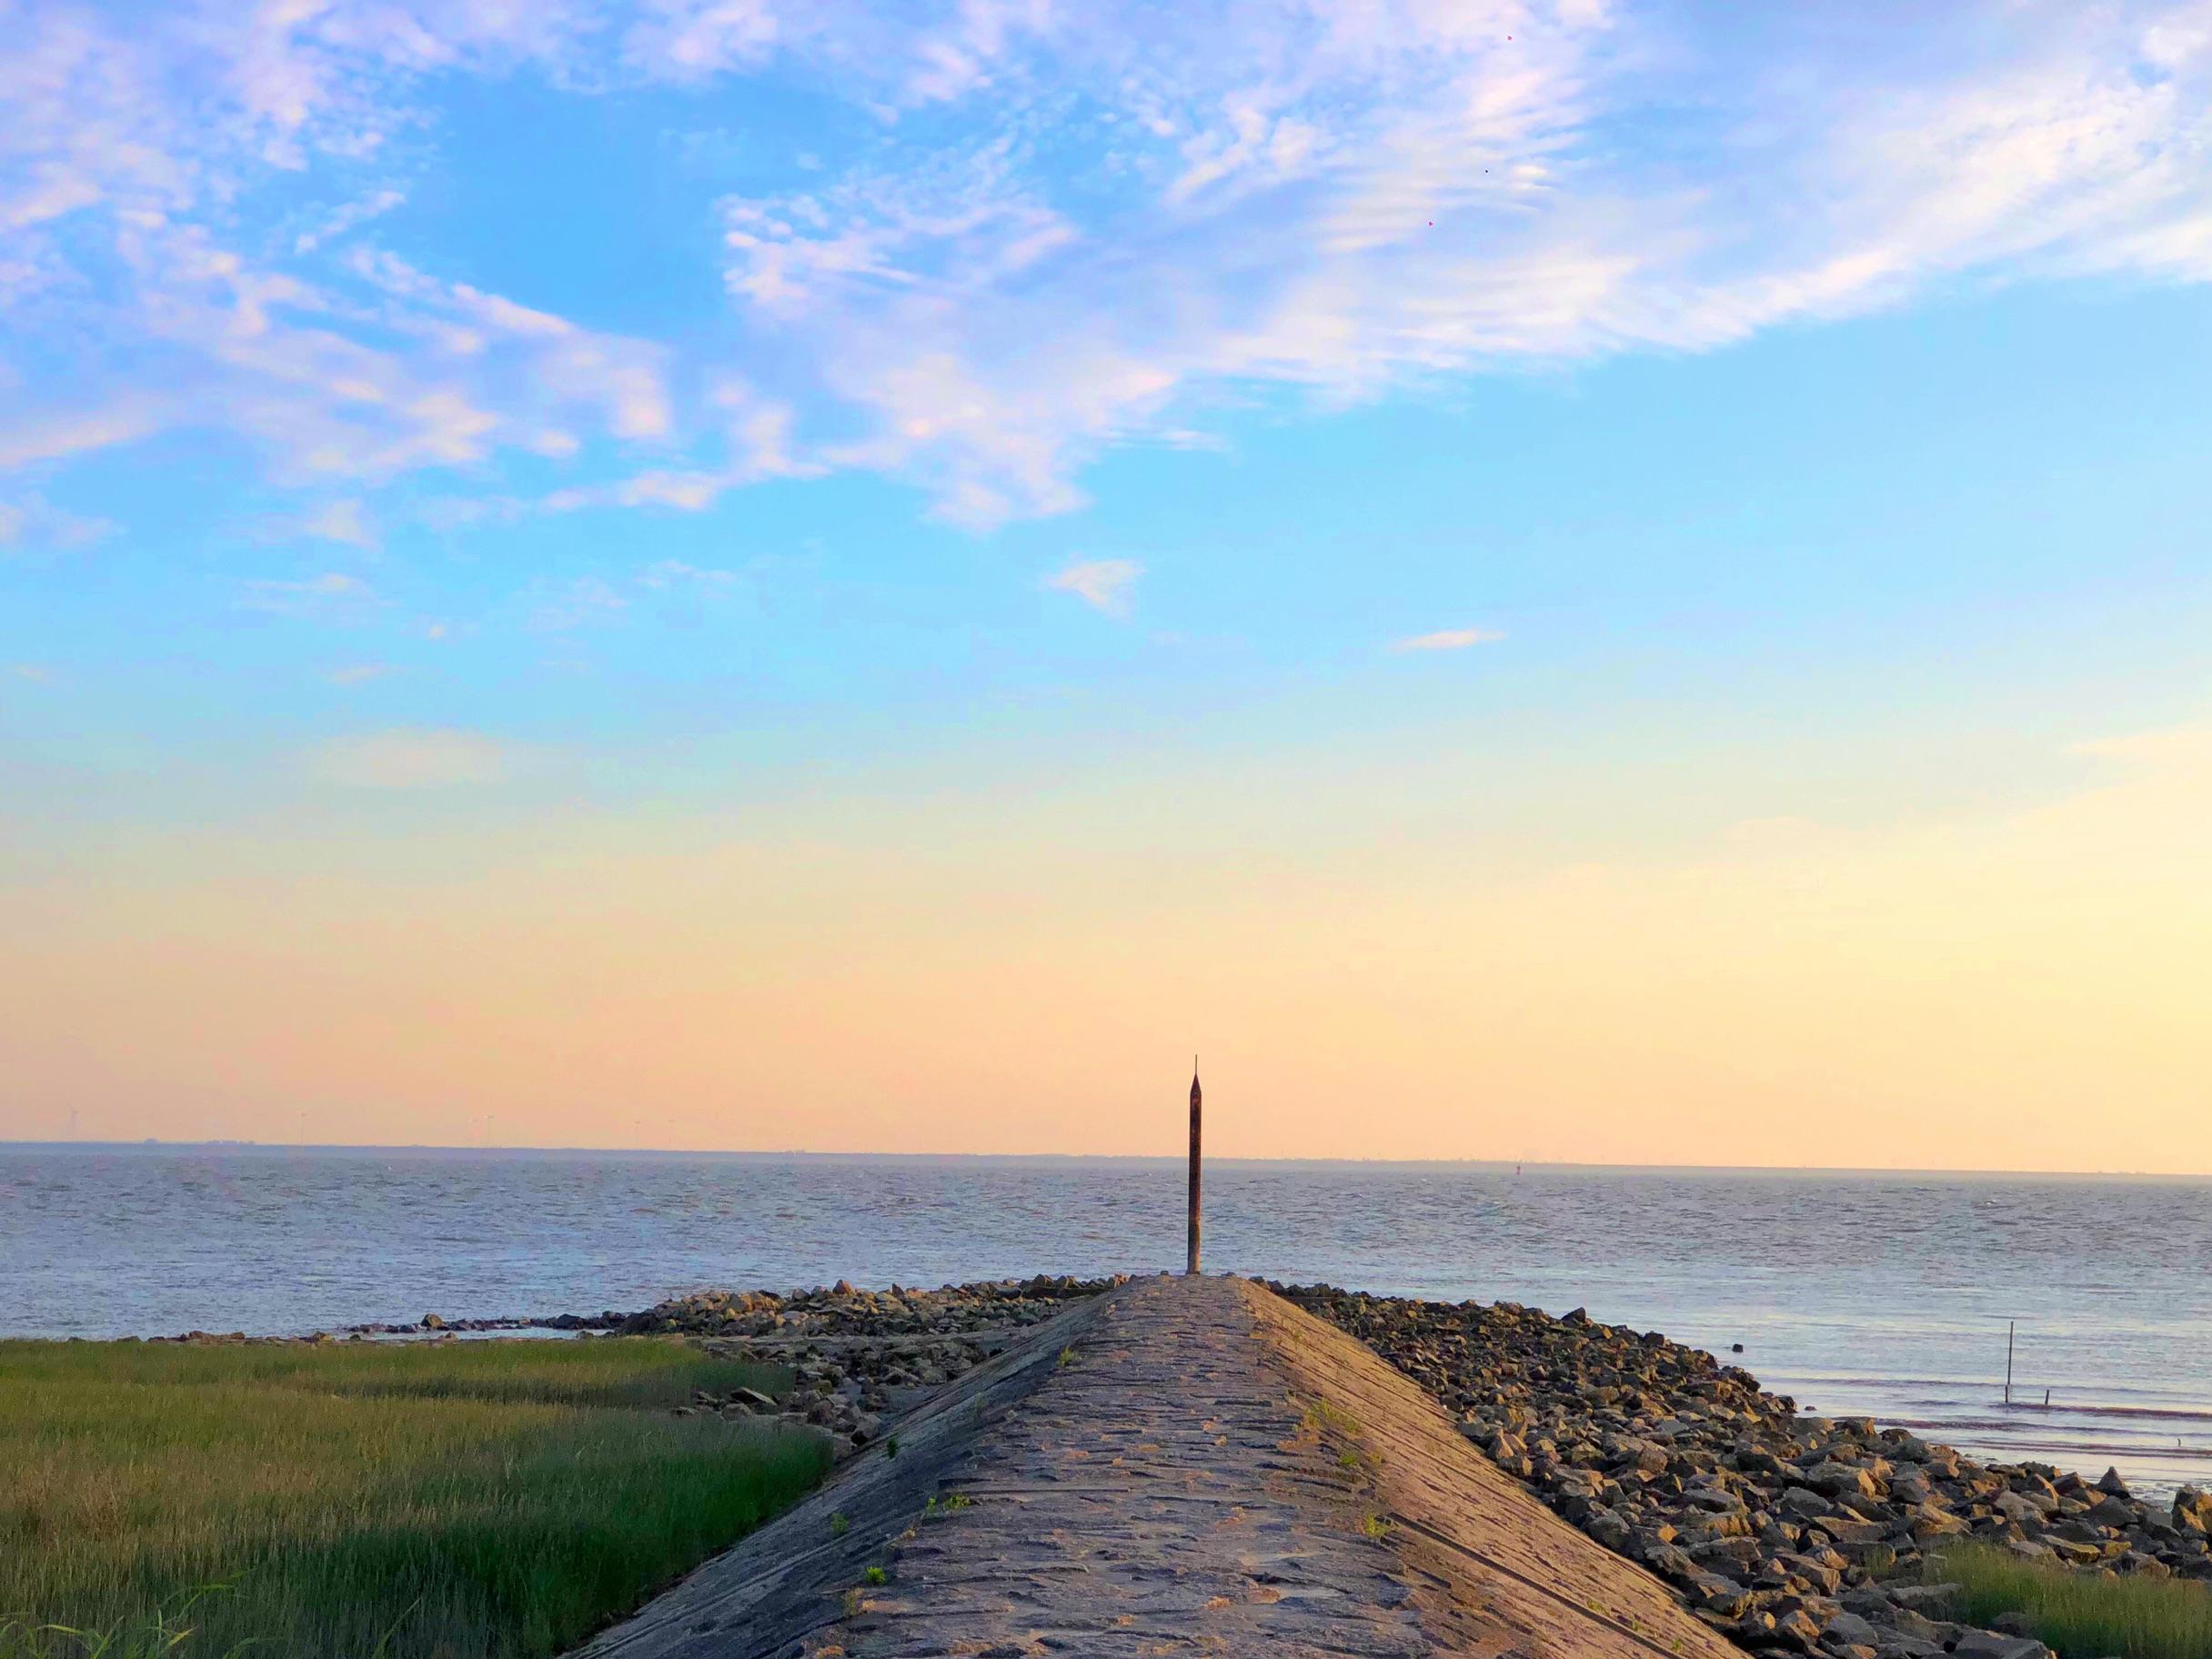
point(1792, 1533)
point(857, 1356)
point(841, 1310)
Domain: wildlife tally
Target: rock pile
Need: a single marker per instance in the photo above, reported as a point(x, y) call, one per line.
point(436, 1324)
point(858, 1355)
point(841, 1310)
point(1793, 1533)
point(825, 1308)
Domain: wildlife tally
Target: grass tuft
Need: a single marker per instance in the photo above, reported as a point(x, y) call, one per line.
point(2080, 1615)
point(149, 1637)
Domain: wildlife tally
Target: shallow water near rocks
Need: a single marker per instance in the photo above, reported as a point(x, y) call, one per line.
point(1884, 1295)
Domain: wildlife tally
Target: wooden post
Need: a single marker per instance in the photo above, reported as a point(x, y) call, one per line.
point(1190, 1268)
point(2010, 1325)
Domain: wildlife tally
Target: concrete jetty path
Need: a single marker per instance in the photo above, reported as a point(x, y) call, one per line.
point(1182, 1466)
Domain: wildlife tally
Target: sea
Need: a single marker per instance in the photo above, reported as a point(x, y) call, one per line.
point(1909, 1298)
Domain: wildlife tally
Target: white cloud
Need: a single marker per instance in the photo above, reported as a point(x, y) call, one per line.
point(333, 594)
point(892, 58)
point(1103, 584)
point(361, 368)
point(560, 606)
point(31, 673)
point(556, 607)
point(340, 221)
point(1447, 639)
point(687, 492)
point(411, 758)
point(1065, 233)
point(60, 433)
point(34, 522)
point(343, 521)
point(667, 574)
point(690, 492)
point(450, 513)
point(1347, 202)
point(695, 39)
point(756, 439)
point(359, 673)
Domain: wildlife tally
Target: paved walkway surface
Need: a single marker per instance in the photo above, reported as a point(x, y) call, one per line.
point(1184, 1466)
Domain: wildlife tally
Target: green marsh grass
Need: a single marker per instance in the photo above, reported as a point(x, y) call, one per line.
point(365, 1500)
point(2081, 1615)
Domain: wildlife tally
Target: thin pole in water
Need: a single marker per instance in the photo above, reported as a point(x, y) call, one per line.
point(1190, 1266)
point(2010, 1325)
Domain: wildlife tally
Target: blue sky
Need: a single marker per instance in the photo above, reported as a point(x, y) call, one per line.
point(1572, 432)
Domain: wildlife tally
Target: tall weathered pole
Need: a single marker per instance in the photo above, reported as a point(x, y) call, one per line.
point(1191, 1269)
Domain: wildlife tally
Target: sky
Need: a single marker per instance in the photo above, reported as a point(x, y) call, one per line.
point(1574, 581)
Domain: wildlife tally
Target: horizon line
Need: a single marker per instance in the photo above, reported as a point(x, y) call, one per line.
point(1176, 1159)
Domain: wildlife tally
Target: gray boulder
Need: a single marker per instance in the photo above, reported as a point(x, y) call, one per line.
point(1990, 1644)
point(1836, 1478)
point(1848, 1627)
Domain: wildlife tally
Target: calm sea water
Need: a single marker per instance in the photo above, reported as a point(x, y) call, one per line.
point(1886, 1295)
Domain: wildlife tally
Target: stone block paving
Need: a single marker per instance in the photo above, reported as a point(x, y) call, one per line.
point(1179, 1467)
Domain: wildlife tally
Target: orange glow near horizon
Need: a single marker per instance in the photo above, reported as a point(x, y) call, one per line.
point(2021, 990)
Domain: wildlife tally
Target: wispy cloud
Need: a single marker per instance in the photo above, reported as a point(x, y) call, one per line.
point(33, 522)
point(31, 673)
point(1447, 639)
point(757, 443)
point(558, 607)
point(345, 521)
point(54, 433)
point(343, 219)
point(991, 292)
point(668, 575)
point(359, 673)
point(1103, 584)
point(332, 594)
point(411, 758)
